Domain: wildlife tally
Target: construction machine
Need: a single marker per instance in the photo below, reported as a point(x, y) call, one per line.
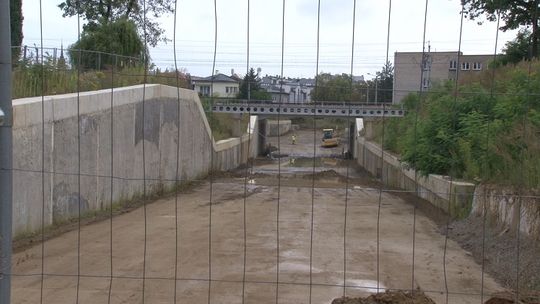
point(329, 138)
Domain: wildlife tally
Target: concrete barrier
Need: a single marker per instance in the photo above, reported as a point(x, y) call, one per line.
point(137, 130)
point(231, 153)
point(508, 208)
point(448, 195)
point(275, 129)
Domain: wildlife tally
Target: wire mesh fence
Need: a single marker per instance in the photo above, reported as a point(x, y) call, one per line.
point(60, 73)
point(124, 195)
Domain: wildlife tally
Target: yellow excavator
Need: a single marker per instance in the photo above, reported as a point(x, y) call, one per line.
point(329, 139)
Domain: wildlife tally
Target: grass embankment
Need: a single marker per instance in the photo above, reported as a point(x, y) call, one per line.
point(33, 80)
point(484, 133)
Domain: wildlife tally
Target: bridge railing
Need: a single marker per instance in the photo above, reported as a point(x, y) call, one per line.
point(318, 110)
point(230, 101)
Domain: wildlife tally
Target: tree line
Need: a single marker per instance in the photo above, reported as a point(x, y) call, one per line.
point(344, 87)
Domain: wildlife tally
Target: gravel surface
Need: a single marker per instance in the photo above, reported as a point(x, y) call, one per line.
point(500, 250)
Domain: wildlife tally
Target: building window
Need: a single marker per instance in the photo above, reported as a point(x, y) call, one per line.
point(204, 90)
point(465, 66)
point(231, 90)
point(453, 65)
point(477, 66)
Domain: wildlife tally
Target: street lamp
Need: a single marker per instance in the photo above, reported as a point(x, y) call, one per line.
point(376, 86)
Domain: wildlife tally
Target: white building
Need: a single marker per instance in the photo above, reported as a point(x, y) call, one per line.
point(292, 90)
point(221, 85)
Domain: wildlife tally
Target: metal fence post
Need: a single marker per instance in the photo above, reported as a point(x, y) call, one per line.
point(5, 154)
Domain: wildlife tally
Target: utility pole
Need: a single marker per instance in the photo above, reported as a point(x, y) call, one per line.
point(367, 92)
point(5, 153)
point(376, 89)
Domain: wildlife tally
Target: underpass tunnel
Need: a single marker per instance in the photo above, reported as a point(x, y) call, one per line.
point(300, 129)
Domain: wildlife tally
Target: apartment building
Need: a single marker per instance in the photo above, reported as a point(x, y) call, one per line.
point(414, 72)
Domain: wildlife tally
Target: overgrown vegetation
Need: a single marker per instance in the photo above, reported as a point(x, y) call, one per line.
point(56, 77)
point(477, 134)
point(516, 50)
point(224, 125)
point(31, 80)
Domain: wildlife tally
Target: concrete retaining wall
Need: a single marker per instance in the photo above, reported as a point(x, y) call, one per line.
point(158, 119)
point(501, 205)
point(275, 129)
point(437, 189)
point(231, 153)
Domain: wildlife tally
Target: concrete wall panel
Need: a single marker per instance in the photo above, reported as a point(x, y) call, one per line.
point(154, 124)
point(448, 195)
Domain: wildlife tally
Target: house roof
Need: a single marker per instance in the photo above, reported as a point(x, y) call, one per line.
point(216, 78)
point(236, 77)
point(276, 90)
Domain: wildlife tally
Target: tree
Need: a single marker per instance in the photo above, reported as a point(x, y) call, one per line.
point(16, 21)
point(118, 37)
point(514, 13)
point(102, 12)
point(332, 88)
point(385, 85)
point(516, 50)
point(252, 84)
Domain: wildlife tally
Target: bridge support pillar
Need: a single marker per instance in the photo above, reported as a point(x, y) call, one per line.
point(261, 136)
point(237, 130)
point(369, 128)
point(352, 139)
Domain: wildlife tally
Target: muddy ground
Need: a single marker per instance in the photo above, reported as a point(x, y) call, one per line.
point(300, 236)
point(394, 297)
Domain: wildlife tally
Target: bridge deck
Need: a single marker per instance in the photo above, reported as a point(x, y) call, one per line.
point(318, 110)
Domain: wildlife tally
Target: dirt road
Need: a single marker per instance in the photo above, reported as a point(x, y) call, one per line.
point(304, 144)
point(277, 246)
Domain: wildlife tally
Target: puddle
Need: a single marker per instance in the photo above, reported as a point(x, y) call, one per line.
point(364, 188)
point(317, 162)
point(291, 254)
point(367, 285)
point(300, 267)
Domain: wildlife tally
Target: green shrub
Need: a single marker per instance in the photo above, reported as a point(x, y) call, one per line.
point(475, 135)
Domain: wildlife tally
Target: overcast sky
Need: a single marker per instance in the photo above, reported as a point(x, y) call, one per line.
point(195, 34)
